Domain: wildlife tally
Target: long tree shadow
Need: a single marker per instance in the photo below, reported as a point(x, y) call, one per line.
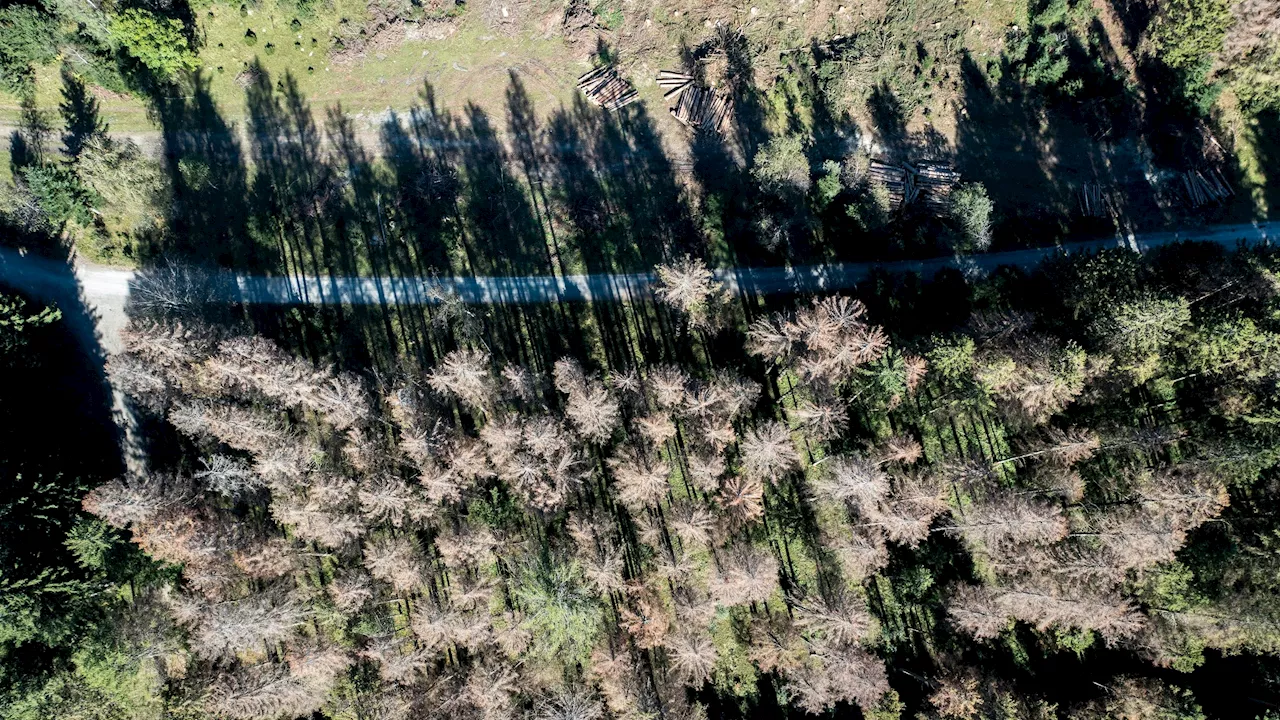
point(208, 218)
point(588, 192)
point(29, 143)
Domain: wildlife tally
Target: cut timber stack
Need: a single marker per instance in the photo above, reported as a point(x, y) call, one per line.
point(673, 83)
point(696, 107)
point(605, 88)
point(1205, 187)
point(934, 182)
point(931, 183)
point(896, 180)
point(1094, 201)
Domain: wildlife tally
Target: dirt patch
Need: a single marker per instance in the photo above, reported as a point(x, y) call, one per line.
point(248, 76)
point(550, 24)
point(512, 18)
point(383, 33)
point(579, 27)
point(386, 37)
point(430, 30)
point(500, 16)
point(104, 94)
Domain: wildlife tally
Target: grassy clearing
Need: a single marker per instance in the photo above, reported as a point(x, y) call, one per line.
point(917, 77)
point(465, 62)
point(466, 59)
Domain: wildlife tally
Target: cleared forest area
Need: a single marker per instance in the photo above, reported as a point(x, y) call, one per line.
point(1074, 117)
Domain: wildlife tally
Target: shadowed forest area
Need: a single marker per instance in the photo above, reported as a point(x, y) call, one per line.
point(912, 502)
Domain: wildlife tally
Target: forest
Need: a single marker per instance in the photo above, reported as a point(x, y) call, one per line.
point(1038, 490)
point(1038, 495)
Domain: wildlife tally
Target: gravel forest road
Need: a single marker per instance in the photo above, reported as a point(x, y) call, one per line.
point(105, 290)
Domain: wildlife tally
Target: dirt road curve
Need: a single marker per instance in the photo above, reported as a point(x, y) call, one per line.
point(105, 290)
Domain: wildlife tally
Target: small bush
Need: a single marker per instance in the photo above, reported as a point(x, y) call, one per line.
point(829, 185)
point(609, 15)
point(250, 38)
point(971, 209)
point(871, 208)
point(296, 25)
point(781, 166)
point(269, 49)
point(59, 193)
point(195, 174)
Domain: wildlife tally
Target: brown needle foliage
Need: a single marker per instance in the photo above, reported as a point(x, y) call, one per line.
point(591, 409)
point(1004, 519)
point(742, 499)
point(854, 480)
point(657, 428)
point(705, 470)
point(908, 513)
point(1059, 447)
point(692, 523)
point(690, 287)
point(466, 376)
point(396, 561)
point(646, 620)
point(639, 481)
point(386, 499)
point(899, 449)
point(861, 551)
point(745, 575)
point(692, 655)
point(256, 365)
point(825, 420)
point(985, 612)
point(826, 341)
point(135, 499)
point(668, 385)
point(767, 452)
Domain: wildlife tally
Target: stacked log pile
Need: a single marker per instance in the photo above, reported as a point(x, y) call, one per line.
point(1095, 201)
point(934, 182)
point(673, 83)
point(930, 182)
point(895, 179)
point(604, 87)
point(695, 106)
point(1204, 187)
